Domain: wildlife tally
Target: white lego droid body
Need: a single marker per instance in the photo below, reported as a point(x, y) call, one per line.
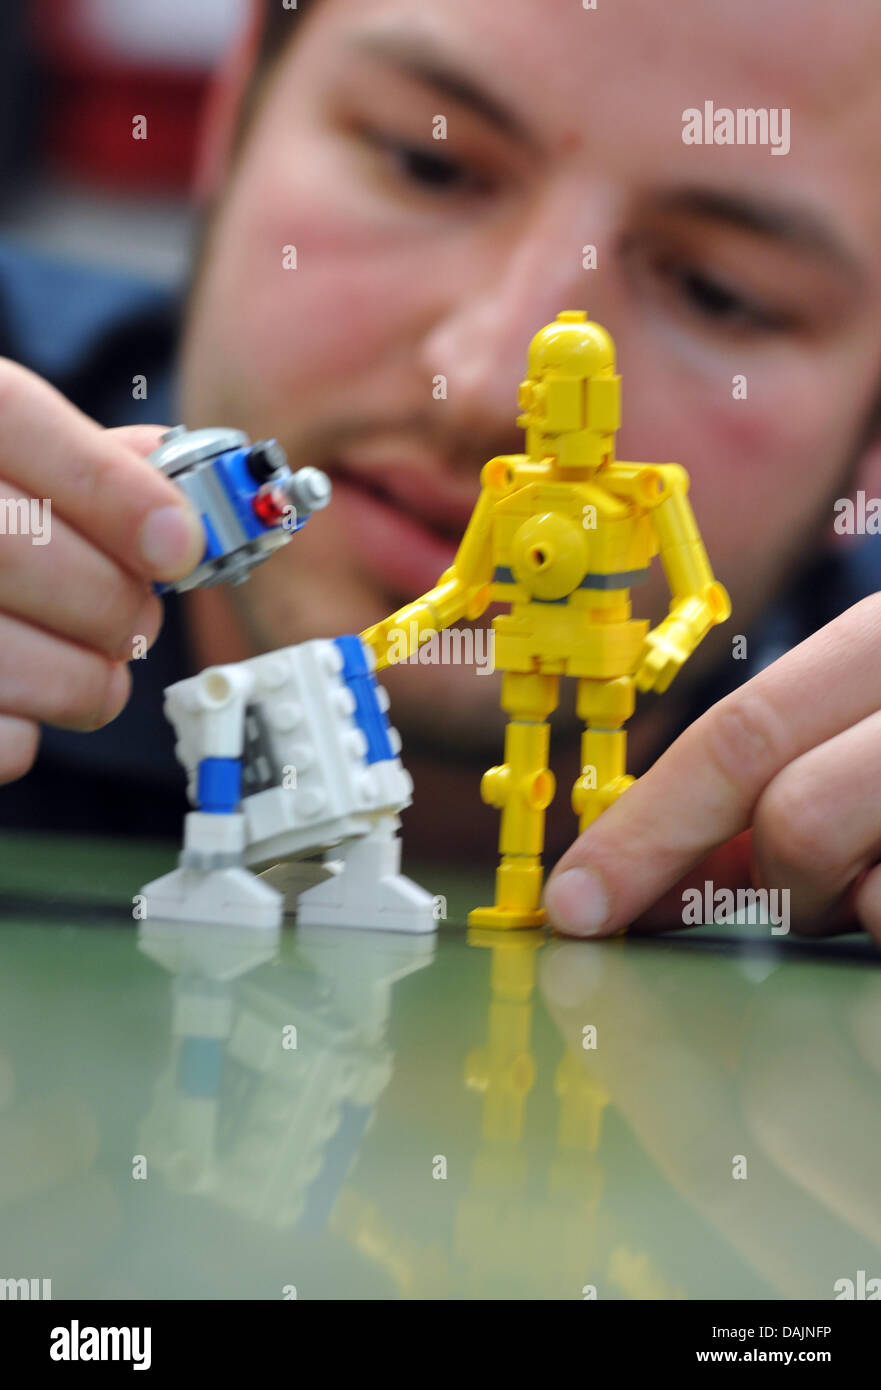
point(290, 755)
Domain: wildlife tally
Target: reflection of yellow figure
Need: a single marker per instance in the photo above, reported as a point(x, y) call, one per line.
point(499, 1235)
point(582, 1102)
point(503, 1071)
point(561, 533)
point(512, 1224)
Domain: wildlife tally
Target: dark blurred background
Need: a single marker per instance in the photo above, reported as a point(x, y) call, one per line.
point(73, 73)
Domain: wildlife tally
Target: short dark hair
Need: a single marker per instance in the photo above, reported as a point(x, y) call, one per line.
point(279, 22)
point(277, 29)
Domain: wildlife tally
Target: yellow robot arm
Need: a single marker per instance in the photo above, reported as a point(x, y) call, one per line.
point(698, 601)
point(462, 591)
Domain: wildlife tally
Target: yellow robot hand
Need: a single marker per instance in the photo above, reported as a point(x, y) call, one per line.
point(667, 648)
point(377, 637)
point(664, 652)
point(395, 638)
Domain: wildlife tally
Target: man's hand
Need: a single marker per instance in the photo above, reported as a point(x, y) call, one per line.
point(795, 756)
point(73, 599)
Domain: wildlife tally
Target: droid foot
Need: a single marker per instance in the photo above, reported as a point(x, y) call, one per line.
point(230, 897)
point(367, 889)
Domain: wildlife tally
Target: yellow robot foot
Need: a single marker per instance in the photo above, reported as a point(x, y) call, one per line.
point(518, 895)
point(506, 917)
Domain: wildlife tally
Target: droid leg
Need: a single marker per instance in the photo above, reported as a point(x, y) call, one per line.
point(324, 718)
point(366, 887)
point(212, 883)
point(522, 788)
point(605, 706)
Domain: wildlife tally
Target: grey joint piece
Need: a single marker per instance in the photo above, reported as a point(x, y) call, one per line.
point(181, 448)
point(309, 489)
point(206, 863)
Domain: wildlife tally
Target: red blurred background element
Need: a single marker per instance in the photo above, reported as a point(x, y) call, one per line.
point(107, 62)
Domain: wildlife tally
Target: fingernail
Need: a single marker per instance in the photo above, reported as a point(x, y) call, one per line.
point(577, 902)
point(171, 542)
point(146, 629)
point(116, 697)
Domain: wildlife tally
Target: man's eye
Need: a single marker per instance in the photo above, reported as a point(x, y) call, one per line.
point(424, 167)
point(427, 168)
point(719, 303)
point(677, 282)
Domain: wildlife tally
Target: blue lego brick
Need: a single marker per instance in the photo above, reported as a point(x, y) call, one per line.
point(369, 717)
point(220, 785)
point(199, 1066)
point(213, 548)
point(231, 470)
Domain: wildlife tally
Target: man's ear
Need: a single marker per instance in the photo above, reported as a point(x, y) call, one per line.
point(854, 516)
point(220, 113)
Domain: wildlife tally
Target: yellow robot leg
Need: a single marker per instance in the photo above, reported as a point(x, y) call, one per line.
point(604, 706)
point(522, 788)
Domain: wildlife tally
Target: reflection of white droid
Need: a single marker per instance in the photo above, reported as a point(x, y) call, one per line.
point(265, 1129)
point(288, 755)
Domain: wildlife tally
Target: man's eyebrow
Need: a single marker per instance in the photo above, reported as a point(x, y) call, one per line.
point(799, 227)
point(421, 57)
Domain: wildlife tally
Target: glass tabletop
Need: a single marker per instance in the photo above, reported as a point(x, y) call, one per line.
point(201, 1112)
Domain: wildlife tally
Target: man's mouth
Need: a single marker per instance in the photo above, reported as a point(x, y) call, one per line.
point(438, 507)
point(402, 524)
point(445, 530)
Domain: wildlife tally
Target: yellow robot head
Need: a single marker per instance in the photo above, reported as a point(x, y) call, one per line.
point(571, 398)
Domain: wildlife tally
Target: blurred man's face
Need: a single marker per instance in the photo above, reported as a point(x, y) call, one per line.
point(420, 259)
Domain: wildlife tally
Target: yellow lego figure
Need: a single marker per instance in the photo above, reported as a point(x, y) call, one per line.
point(561, 533)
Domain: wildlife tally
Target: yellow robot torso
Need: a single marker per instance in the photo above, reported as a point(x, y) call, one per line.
point(565, 554)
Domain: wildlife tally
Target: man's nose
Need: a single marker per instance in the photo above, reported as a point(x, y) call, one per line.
point(479, 344)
